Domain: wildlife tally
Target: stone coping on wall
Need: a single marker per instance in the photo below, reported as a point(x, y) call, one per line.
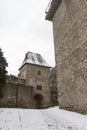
point(15, 80)
point(51, 9)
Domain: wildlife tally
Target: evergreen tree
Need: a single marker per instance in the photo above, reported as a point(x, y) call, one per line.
point(3, 65)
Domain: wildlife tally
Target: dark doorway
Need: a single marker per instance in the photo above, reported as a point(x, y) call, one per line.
point(39, 101)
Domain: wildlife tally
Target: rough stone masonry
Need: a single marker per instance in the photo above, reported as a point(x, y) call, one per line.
point(69, 18)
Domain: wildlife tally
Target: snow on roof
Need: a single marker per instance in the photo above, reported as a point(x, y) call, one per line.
point(34, 58)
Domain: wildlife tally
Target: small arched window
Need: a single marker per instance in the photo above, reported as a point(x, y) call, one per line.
point(39, 72)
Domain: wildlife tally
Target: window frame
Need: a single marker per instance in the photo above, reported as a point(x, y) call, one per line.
point(38, 87)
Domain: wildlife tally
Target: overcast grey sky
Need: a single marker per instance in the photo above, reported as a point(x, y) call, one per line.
point(23, 28)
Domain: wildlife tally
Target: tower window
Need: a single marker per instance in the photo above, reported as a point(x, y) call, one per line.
point(39, 87)
point(39, 72)
point(56, 97)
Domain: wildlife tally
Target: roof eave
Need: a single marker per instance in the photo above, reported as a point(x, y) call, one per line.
point(34, 64)
point(51, 9)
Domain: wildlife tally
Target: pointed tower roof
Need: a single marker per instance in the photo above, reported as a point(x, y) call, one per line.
point(35, 59)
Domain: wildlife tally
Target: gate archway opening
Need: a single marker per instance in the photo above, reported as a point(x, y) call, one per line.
point(39, 101)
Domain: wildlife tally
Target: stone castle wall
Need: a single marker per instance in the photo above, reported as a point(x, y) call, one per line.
point(53, 87)
point(24, 97)
point(70, 39)
point(22, 92)
point(9, 95)
point(16, 94)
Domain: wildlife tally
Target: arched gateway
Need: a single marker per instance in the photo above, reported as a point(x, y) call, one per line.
point(39, 101)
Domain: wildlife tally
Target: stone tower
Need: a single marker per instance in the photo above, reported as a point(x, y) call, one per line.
point(35, 71)
point(69, 18)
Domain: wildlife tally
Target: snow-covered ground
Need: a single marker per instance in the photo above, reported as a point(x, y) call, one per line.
point(48, 119)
